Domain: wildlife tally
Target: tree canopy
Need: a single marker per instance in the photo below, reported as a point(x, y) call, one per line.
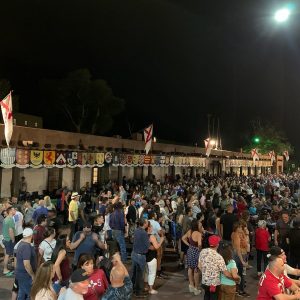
point(88, 104)
point(266, 137)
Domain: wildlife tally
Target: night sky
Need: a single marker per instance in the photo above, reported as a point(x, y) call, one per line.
point(172, 61)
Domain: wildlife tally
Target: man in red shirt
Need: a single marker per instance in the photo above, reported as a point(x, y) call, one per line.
point(273, 283)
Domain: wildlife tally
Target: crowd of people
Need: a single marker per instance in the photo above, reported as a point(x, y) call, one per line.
point(74, 245)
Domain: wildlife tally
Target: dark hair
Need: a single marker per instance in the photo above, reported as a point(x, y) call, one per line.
point(142, 221)
point(226, 253)
point(83, 258)
point(60, 245)
point(188, 209)
point(235, 226)
point(151, 215)
point(194, 225)
point(48, 232)
point(41, 219)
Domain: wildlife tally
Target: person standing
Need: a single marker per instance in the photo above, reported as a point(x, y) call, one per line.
point(73, 212)
point(293, 240)
point(28, 213)
point(281, 232)
point(226, 223)
point(26, 264)
point(18, 220)
point(212, 264)
point(8, 231)
point(40, 210)
point(140, 247)
point(117, 224)
point(262, 239)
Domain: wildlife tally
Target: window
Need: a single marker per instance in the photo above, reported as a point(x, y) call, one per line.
point(95, 175)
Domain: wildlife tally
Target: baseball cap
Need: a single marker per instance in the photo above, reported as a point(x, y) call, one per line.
point(79, 275)
point(74, 195)
point(27, 232)
point(214, 240)
point(276, 251)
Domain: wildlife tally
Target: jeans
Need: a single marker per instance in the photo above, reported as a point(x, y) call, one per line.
point(138, 269)
point(118, 236)
point(25, 284)
point(261, 255)
point(208, 295)
point(240, 272)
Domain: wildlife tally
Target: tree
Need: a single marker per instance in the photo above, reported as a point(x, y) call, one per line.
point(5, 88)
point(89, 105)
point(266, 137)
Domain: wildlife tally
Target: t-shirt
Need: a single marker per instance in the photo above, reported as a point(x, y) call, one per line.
point(120, 293)
point(97, 286)
point(48, 248)
point(225, 280)
point(24, 252)
point(155, 229)
point(227, 220)
point(262, 239)
point(212, 264)
point(270, 285)
point(70, 295)
point(88, 245)
point(7, 224)
point(38, 235)
point(18, 219)
point(283, 229)
point(74, 208)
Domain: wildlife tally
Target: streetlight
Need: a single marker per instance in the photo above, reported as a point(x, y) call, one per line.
point(282, 15)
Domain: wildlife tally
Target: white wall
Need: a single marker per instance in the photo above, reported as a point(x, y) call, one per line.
point(37, 179)
point(5, 184)
point(68, 178)
point(85, 176)
point(128, 172)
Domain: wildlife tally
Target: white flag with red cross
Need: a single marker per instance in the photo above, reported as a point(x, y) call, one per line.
point(148, 132)
point(272, 156)
point(208, 146)
point(6, 108)
point(286, 155)
point(254, 154)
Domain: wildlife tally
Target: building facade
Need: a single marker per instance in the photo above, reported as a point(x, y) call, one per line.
point(50, 159)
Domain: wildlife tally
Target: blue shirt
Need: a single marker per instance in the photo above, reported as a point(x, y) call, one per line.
point(24, 252)
point(225, 280)
point(117, 220)
point(42, 210)
point(141, 241)
point(88, 245)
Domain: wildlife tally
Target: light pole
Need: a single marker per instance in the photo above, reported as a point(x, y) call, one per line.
point(282, 15)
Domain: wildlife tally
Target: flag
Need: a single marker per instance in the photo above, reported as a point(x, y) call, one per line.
point(6, 108)
point(272, 156)
point(148, 132)
point(208, 146)
point(254, 154)
point(286, 155)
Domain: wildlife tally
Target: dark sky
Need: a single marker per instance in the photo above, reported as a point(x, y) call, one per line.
point(173, 61)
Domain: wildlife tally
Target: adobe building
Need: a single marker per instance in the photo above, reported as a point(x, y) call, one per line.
point(51, 159)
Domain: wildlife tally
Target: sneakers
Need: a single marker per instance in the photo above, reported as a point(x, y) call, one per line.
point(197, 292)
point(244, 294)
point(191, 288)
point(153, 292)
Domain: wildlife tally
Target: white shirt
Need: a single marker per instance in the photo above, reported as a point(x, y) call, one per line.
point(48, 248)
point(18, 220)
point(70, 295)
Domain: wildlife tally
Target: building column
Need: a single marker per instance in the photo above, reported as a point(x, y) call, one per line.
point(15, 182)
point(76, 186)
point(120, 174)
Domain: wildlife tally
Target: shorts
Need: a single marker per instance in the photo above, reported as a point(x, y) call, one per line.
point(9, 247)
point(15, 286)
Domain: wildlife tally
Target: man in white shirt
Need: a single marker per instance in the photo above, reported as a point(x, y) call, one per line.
point(18, 220)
